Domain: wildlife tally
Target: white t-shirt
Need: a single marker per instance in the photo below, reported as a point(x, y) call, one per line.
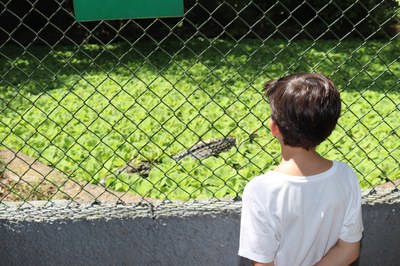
point(295, 220)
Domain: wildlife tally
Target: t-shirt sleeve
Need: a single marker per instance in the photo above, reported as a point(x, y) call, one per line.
point(257, 239)
point(352, 227)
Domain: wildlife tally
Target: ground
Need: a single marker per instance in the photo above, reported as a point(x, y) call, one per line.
point(25, 178)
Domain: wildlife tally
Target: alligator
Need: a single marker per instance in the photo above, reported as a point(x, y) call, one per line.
point(202, 149)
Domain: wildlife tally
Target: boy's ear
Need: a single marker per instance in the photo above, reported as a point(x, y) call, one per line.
point(274, 128)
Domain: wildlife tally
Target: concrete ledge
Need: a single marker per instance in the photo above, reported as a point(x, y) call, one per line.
point(201, 233)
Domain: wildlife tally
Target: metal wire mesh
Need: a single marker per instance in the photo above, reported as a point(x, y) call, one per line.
point(156, 110)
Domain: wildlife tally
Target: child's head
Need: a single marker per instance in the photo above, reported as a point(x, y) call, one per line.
point(305, 107)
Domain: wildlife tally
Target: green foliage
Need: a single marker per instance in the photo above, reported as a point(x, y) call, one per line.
point(89, 110)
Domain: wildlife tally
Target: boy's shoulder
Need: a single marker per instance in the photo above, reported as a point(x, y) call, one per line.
point(265, 182)
point(272, 180)
point(271, 187)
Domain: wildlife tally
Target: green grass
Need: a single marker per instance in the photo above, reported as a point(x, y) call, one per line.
point(88, 110)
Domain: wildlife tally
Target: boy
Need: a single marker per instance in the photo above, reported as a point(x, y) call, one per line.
point(307, 211)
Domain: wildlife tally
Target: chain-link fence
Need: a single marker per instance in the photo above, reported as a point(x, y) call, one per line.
point(152, 110)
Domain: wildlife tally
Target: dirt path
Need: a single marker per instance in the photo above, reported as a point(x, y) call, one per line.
point(29, 179)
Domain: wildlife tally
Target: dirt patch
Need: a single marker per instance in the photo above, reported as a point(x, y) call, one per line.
point(25, 179)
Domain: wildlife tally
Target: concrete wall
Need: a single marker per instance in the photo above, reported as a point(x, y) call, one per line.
point(189, 234)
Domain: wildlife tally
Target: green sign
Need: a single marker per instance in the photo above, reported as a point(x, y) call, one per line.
point(86, 10)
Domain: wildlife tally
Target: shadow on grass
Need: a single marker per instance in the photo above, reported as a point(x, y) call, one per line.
point(353, 64)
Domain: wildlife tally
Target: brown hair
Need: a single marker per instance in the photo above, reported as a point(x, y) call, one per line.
point(305, 108)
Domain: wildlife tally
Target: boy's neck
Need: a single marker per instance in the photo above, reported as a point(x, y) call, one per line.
point(301, 162)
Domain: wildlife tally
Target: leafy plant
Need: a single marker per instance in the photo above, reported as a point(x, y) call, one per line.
point(88, 111)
